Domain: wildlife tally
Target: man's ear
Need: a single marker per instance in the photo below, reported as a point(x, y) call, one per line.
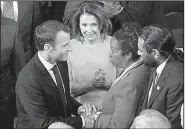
point(47, 47)
point(156, 53)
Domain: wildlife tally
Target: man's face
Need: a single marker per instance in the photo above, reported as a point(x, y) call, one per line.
point(61, 47)
point(89, 27)
point(147, 57)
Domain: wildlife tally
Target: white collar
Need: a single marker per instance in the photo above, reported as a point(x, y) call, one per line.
point(161, 67)
point(46, 64)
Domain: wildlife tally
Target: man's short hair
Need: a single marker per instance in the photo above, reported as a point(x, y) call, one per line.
point(47, 31)
point(150, 118)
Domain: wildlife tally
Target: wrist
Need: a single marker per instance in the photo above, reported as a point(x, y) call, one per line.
point(96, 117)
point(83, 121)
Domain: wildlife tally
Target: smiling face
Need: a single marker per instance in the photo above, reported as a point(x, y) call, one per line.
point(89, 27)
point(61, 47)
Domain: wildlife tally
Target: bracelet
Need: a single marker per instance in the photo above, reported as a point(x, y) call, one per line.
point(96, 117)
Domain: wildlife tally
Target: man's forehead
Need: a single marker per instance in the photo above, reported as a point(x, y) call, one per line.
point(140, 42)
point(63, 37)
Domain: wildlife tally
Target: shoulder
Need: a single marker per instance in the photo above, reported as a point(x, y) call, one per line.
point(107, 39)
point(140, 74)
point(27, 72)
point(176, 73)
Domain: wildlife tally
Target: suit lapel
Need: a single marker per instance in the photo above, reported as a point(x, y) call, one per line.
point(45, 74)
point(47, 77)
point(63, 97)
point(161, 81)
point(149, 86)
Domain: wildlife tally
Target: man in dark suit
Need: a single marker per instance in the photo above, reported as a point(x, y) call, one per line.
point(12, 61)
point(42, 88)
point(166, 85)
point(28, 15)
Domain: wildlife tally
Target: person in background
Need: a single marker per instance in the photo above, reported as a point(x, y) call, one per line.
point(42, 88)
point(142, 12)
point(28, 15)
point(123, 101)
point(91, 74)
point(150, 119)
point(12, 61)
point(182, 115)
point(59, 125)
point(156, 46)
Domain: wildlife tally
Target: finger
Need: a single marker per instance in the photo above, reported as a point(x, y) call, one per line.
point(89, 110)
point(94, 108)
point(118, 12)
point(81, 110)
point(117, 8)
point(104, 2)
point(117, 3)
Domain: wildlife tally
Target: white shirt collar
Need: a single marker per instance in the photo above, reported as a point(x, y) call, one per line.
point(161, 67)
point(46, 64)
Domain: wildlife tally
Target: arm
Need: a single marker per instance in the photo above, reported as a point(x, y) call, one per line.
point(32, 99)
point(174, 102)
point(78, 89)
point(136, 11)
point(18, 56)
point(125, 108)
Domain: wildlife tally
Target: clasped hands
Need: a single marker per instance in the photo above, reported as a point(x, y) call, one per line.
point(100, 80)
point(88, 112)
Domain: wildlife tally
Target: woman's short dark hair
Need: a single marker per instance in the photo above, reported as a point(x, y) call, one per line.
point(47, 31)
point(127, 38)
point(96, 10)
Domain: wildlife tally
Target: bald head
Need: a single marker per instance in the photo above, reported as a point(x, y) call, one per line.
point(151, 119)
point(59, 125)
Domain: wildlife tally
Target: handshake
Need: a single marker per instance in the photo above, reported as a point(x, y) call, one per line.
point(100, 80)
point(89, 114)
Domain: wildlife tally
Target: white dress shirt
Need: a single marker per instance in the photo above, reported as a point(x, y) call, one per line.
point(15, 8)
point(158, 71)
point(48, 66)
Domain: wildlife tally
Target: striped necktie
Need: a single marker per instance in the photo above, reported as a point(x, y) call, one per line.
point(154, 81)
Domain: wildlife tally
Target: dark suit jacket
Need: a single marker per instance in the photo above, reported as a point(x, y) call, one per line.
point(12, 56)
point(167, 97)
point(29, 16)
point(124, 99)
point(39, 103)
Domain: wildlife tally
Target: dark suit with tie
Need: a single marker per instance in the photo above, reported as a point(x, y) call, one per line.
point(29, 16)
point(39, 102)
point(12, 61)
point(167, 95)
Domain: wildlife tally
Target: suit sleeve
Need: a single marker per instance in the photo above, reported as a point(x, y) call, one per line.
point(32, 99)
point(75, 105)
point(125, 108)
point(18, 59)
point(174, 102)
point(135, 11)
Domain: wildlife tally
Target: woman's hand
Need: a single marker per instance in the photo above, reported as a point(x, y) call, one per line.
point(99, 78)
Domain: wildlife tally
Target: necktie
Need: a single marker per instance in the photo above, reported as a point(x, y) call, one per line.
point(8, 10)
point(60, 84)
point(154, 81)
